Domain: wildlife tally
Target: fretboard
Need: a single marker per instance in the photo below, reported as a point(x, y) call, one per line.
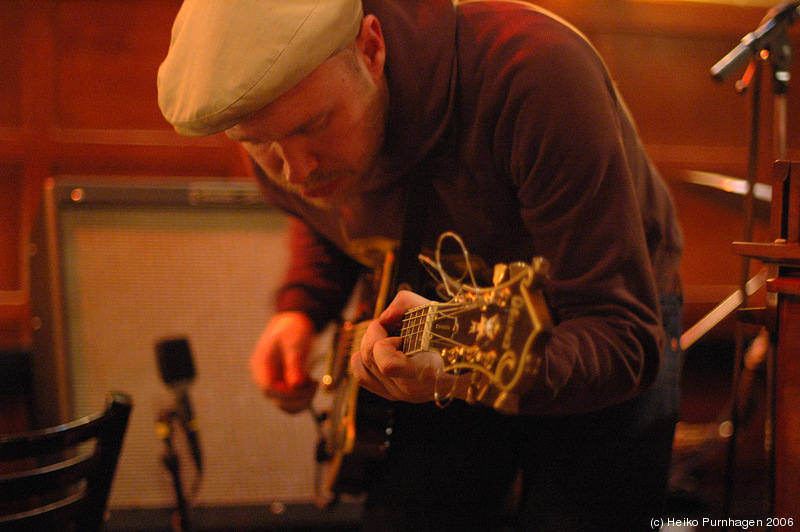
point(415, 330)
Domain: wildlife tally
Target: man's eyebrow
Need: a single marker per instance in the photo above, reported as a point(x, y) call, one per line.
point(253, 137)
point(311, 121)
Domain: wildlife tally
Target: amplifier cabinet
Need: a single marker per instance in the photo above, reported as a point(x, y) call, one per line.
point(120, 264)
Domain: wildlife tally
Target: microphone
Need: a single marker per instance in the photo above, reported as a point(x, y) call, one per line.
point(781, 17)
point(177, 371)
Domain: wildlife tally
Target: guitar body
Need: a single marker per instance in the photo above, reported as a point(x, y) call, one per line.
point(361, 433)
point(357, 428)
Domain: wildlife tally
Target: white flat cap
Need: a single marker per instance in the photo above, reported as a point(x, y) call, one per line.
point(229, 58)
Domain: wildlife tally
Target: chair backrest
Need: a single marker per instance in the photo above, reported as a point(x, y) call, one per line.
point(60, 478)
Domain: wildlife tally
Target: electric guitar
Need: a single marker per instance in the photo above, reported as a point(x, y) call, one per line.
point(494, 335)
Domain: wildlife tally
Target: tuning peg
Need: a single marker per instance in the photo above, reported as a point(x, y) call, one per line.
point(541, 267)
point(517, 267)
point(500, 274)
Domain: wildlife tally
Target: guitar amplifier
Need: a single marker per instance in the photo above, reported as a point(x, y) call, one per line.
point(118, 265)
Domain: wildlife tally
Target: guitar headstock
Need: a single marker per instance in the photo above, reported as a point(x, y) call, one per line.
point(496, 334)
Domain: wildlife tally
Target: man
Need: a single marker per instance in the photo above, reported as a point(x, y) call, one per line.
point(505, 121)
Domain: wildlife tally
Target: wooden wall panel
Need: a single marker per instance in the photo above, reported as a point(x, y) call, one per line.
point(672, 91)
point(660, 53)
point(11, 64)
point(106, 58)
point(78, 96)
point(10, 267)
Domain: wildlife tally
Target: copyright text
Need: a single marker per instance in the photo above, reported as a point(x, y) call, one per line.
point(743, 524)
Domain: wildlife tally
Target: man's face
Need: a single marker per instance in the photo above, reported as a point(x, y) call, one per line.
point(322, 139)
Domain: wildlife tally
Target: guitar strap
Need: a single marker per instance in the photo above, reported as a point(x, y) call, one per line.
point(408, 273)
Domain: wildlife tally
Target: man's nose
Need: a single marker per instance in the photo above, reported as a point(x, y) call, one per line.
point(296, 160)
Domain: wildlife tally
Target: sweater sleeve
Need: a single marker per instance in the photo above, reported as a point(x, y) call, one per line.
point(320, 277)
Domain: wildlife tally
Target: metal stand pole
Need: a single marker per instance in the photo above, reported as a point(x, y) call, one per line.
point(180, 521)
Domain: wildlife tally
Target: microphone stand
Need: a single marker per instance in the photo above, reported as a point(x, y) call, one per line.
point(180, 521)
point(770, 42)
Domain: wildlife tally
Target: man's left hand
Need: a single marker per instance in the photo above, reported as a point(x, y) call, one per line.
point(380, 367)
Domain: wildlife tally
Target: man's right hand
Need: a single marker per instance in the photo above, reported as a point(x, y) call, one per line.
point(279, 363)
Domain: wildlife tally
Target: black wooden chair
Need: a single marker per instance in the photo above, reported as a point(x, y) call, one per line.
point(59, 478)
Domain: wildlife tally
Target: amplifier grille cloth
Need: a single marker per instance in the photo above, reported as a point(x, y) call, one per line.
point(135, 275)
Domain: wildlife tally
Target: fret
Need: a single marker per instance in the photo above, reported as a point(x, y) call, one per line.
point(415, 330)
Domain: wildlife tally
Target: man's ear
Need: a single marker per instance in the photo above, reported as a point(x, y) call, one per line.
point(371, 47)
